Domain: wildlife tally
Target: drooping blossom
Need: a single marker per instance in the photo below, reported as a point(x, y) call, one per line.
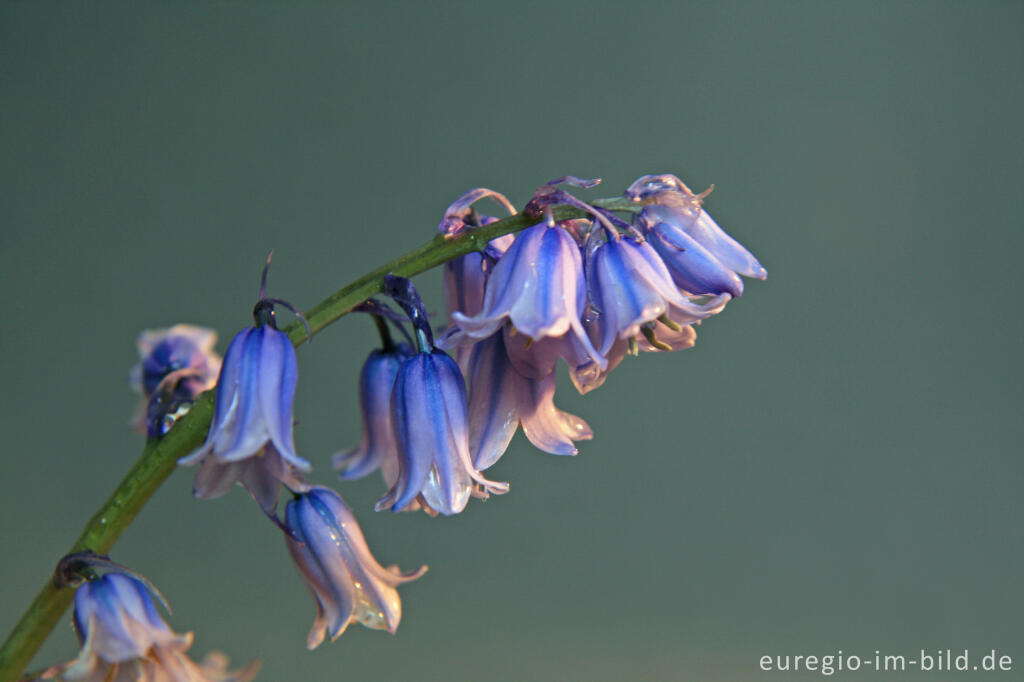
point(124, 639)
point(432, 432)
point(378, 448)
point(538, 286)
point(702, 258)
point(335, 562)
point(631, 287)
point(250, 438)
point(430, 421)
point(175, 366)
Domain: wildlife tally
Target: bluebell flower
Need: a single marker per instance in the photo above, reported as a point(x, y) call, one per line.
point(538, 286)
point(250, 438)
point(700, 255)
point(431, 425)
point(175, 366)
point(501, 399)
point(378, 448)
point(429, 416)
point(123, 637)
point(630, 287)
point(335, 562)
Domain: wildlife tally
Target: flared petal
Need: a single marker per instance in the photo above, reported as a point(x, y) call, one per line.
point(215, 478)
point(537, 359)
point(698, 308)
point(263, 475)
point(547, 427)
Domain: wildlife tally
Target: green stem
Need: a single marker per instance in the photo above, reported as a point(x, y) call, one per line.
point(159, 457)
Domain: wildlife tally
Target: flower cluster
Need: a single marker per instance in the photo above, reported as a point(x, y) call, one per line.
point(587, 290)
point(124, 638)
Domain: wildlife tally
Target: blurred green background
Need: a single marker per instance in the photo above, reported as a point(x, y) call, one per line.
point(836, 465)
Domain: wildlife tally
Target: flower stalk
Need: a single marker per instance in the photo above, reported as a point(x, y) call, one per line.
point(160, 456)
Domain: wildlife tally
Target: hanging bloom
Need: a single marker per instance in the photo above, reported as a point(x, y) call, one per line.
point(175, 366)
point(432, 432)
point(336, 564)
point(124, 638)
point(428, 413)
point(501, 399)
point(538, 286)
point(631, 287)
point(250, 439)
point(378, 448)
point(693, 268)
point(700, 255)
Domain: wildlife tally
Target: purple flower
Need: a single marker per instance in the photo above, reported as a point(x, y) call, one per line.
point(501, 399)
point(175, 366)
point(378, 448)
point(538, 286)
point(693, 268)
point(250, 437)
point(124, 638)
point(432, 432)
point(631, 287)
point(336, 564)
point(702, 258)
